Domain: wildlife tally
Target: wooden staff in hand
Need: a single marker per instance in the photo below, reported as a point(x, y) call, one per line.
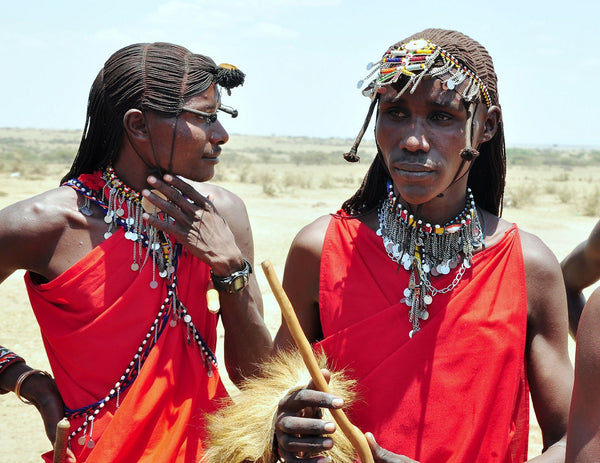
point(62, 441)
point(354, 435)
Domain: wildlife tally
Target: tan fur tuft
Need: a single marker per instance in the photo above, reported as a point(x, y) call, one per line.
point(242, 431)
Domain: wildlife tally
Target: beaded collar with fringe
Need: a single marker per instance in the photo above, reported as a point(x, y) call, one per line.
point(427, 250)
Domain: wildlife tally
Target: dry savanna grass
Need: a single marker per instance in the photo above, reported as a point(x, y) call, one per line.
point(286, 183)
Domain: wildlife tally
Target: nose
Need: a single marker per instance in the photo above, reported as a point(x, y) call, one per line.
point(415, 140)
point(218, 134)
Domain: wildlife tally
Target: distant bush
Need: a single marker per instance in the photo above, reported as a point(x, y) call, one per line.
point(591, 203)
point(553, 156)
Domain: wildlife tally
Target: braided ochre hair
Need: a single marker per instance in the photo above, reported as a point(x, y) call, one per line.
point(157, 77)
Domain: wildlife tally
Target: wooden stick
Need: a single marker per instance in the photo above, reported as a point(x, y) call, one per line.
point(62, 440)
point(356, 437)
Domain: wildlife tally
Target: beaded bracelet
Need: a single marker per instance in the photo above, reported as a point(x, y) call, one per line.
point(22, 378)
point(7, 357)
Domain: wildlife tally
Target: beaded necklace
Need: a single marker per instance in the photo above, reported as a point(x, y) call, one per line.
point(427, 250)
point(123, 208)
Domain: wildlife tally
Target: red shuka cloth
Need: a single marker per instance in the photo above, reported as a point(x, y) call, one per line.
point(93, 318)
point(457, 391)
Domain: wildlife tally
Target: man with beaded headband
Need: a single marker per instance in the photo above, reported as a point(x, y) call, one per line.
point(121, 260)
point(446, 315)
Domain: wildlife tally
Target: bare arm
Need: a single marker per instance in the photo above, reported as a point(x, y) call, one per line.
point(247, 340)
point(583, 443)
point(31, 235)
point(580, 269)
point(301, 282)
point(217, 231)
point(549, 371)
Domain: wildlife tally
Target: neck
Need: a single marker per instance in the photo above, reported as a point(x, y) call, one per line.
point(132, 170)
point(441, 209)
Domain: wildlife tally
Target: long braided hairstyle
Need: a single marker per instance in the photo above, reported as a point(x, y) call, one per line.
point(147, 76)
point(487, 176)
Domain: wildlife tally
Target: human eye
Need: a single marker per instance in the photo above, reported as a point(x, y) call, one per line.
point(396, 113)
point(441, 116)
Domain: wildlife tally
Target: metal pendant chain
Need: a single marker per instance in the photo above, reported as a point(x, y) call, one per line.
point(426, 250)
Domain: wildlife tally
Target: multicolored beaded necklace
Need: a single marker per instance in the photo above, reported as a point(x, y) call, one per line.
point(427, 250)
point(123, 208)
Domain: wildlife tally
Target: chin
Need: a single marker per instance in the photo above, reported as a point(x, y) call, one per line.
point(201, 175)
point(417, 196)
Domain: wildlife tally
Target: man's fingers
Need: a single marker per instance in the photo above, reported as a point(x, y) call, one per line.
point(174, 199)
point(309, 398)
point(305, 426)
point(382, 455)
point(186, 189)
point(292, 444)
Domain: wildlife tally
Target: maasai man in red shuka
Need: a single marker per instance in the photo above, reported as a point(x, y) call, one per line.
point(445, 314)
point(118, 275)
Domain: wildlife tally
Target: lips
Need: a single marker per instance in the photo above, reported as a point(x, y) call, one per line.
point(412, 167)
point(213, 155)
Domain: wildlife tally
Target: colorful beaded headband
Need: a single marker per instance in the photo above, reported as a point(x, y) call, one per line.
point(416, 59)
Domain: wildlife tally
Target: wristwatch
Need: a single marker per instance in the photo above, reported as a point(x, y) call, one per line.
point(235, 282)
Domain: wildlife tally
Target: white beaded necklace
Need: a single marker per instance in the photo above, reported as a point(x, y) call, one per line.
point(425, 250)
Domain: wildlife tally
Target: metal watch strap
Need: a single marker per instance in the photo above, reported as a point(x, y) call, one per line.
point(235, 282)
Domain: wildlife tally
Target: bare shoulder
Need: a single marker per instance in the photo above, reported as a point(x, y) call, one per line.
point(538, 258)
point(40, 214)
point(224, 199)
point(593, 242)
point(232, 208)
point(536, 255)
point(303, 262)
point(30, 229)
point(545, 288)
point(311, 237)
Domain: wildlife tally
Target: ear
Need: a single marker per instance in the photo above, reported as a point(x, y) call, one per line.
point(491, 121)
point(134, 123)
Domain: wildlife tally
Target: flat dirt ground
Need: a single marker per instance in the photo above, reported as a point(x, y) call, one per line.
point(275, 218)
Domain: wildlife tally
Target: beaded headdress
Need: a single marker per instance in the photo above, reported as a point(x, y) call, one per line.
point(417, 59)
point(406, 64)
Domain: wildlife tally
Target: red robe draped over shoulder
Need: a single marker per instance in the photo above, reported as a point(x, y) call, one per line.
point(457, 391)
point(93, 318)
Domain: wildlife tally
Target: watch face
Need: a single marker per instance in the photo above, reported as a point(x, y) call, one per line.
point(235, 282)
point(238, 283)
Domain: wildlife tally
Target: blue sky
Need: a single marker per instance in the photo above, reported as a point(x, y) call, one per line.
point(303, 58)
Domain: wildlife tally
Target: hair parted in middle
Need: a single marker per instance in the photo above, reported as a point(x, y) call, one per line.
point(466, 64)
point(155, 77)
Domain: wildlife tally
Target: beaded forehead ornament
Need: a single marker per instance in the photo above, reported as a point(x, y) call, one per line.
point(417, 59)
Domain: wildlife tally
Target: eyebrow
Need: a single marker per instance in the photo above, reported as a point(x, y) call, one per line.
point(444, 101)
